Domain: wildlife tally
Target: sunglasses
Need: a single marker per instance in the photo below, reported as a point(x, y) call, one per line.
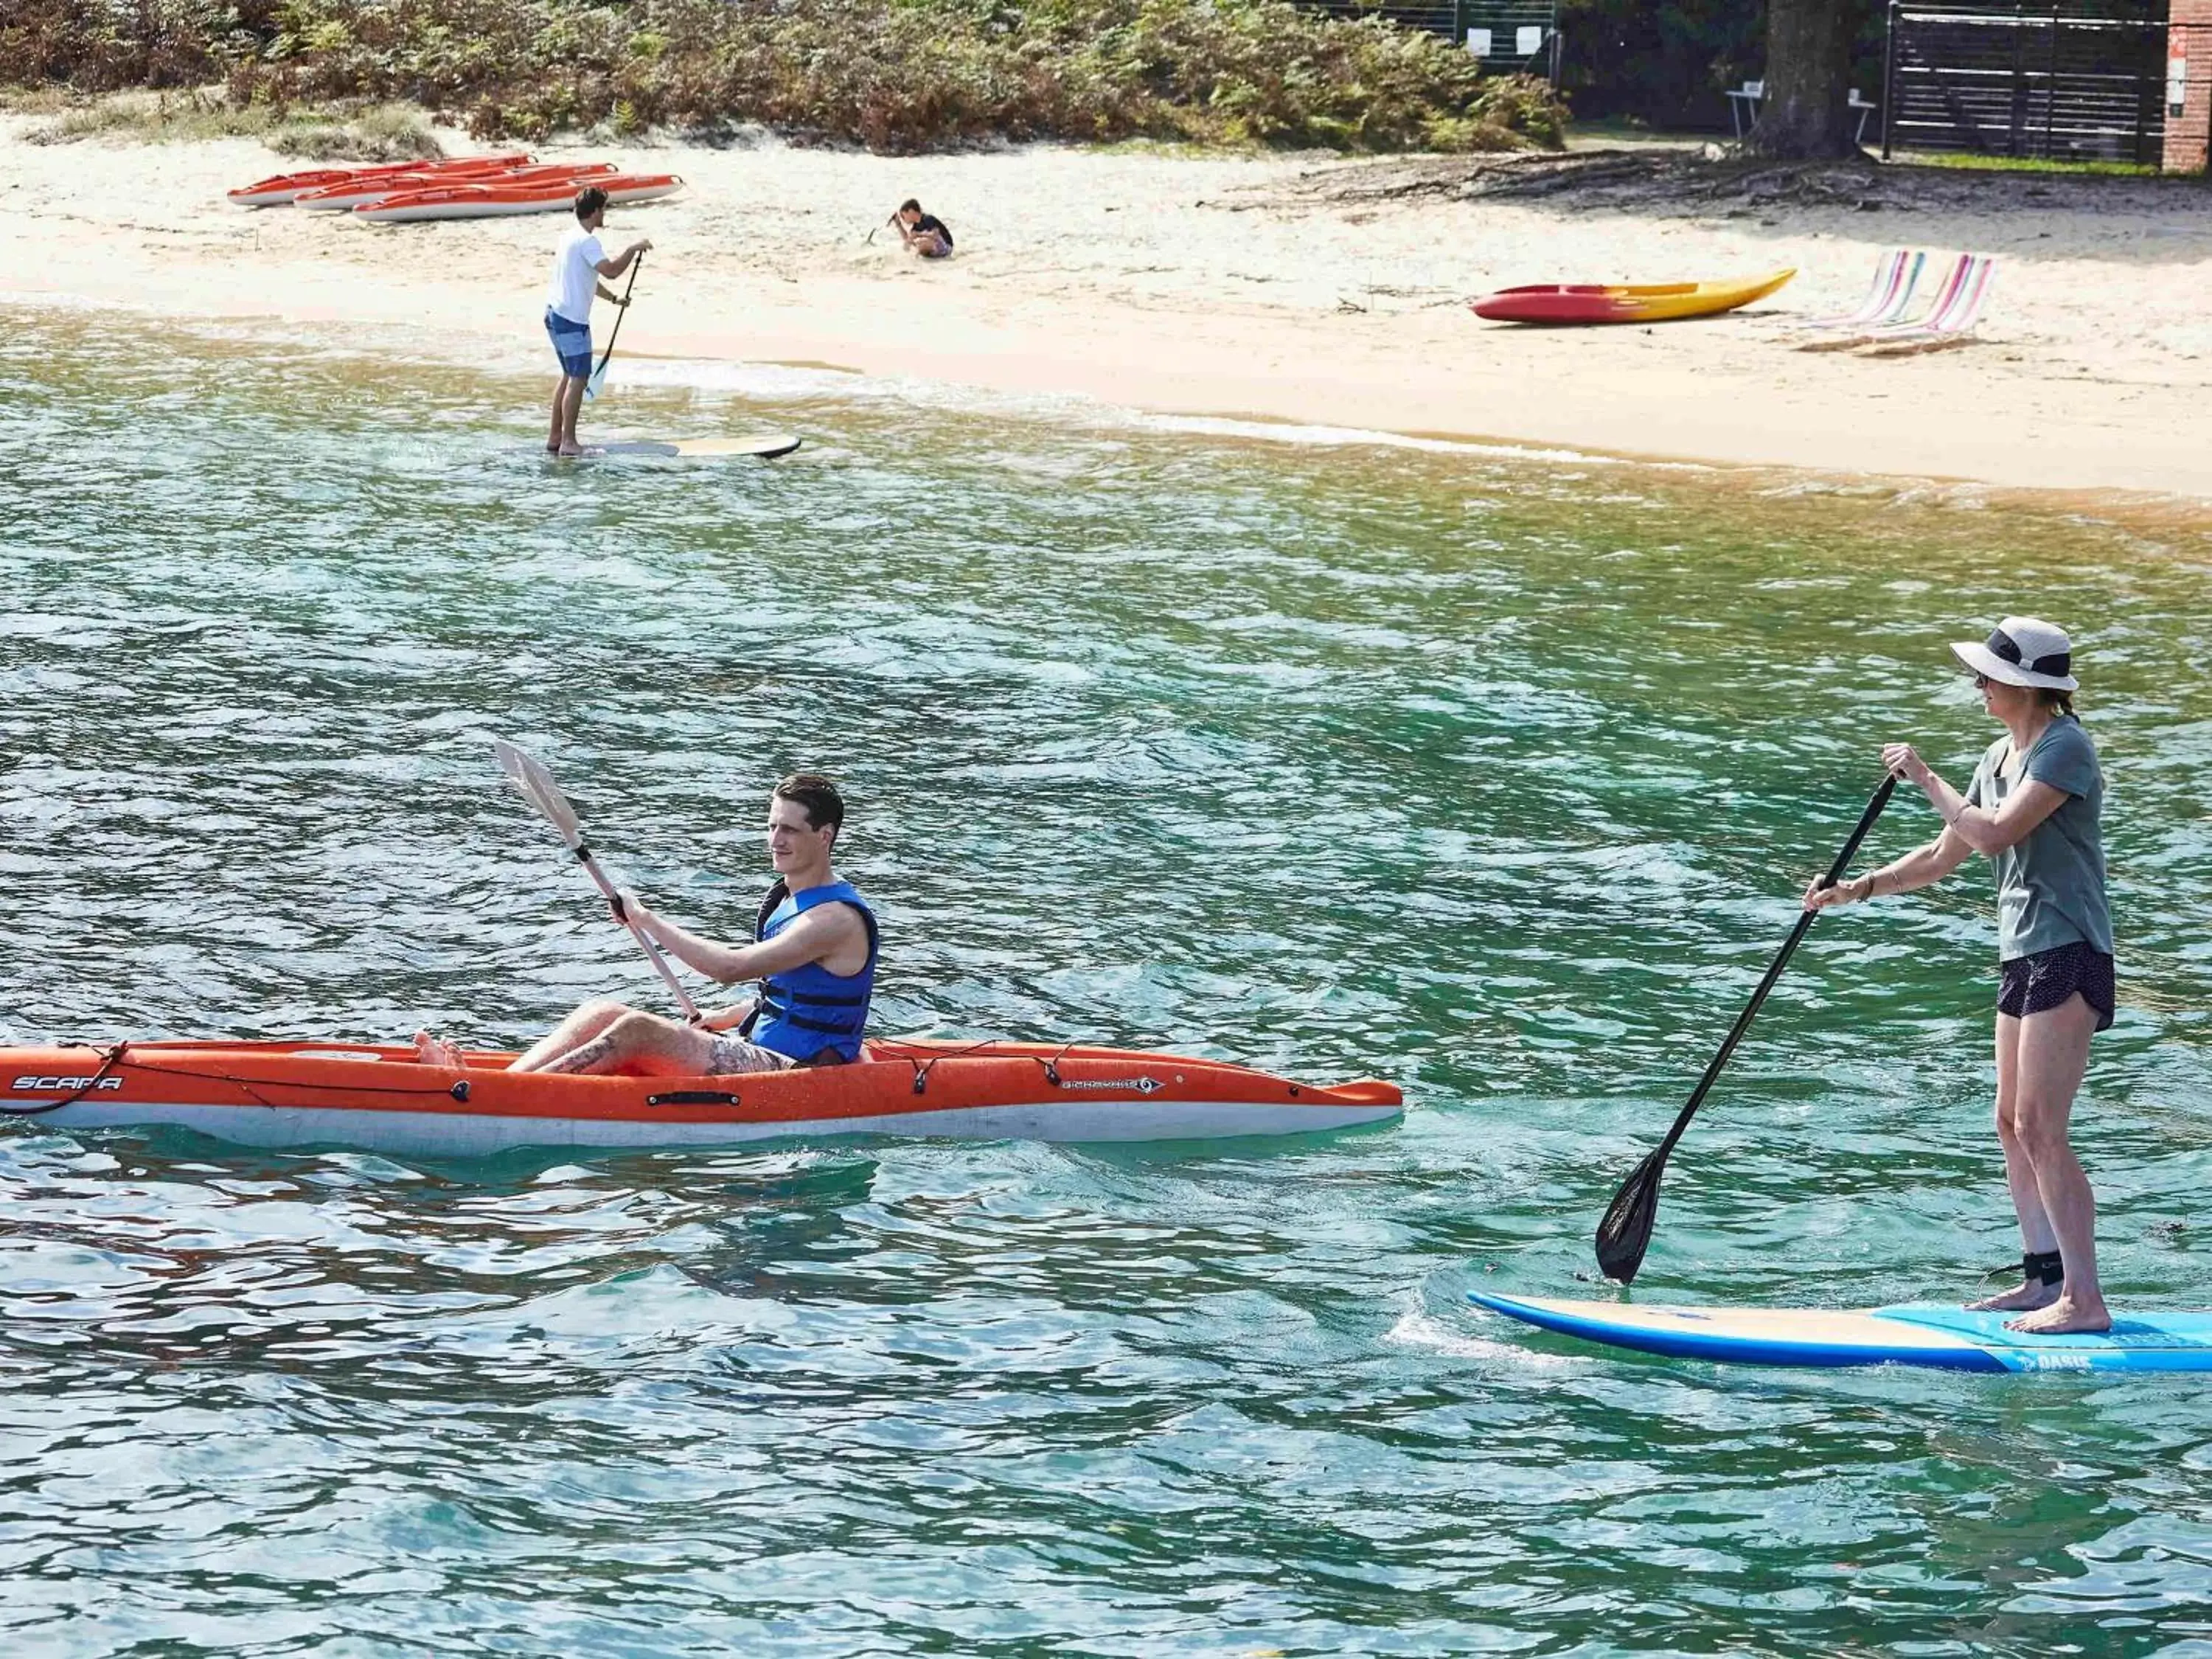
point(1981, 682)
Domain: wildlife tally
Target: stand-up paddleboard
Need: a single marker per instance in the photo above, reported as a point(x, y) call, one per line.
point(1910, 1334)
point(765, 448)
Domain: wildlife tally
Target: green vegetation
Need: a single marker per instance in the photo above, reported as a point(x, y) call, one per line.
point(379, 133)
point(1967, 163)
point(894, 74)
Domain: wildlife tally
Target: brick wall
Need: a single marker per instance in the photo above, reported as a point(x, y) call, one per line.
point(2188, 134)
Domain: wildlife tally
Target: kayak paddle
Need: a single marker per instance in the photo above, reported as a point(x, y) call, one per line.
point(599, 374)
point(538, 788)
point(1625, 1233)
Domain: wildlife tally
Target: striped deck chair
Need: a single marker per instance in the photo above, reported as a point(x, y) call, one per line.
point(1894, 280)
point(1955, 283)
point(1952, 324)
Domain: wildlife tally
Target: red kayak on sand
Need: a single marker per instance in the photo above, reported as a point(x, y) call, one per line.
point(1624, 302)
point(284, 187)
point(384, 1099)
point(358, 192)
point(496, 198)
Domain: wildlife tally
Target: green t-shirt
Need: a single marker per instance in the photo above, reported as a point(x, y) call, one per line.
point(2050, 886)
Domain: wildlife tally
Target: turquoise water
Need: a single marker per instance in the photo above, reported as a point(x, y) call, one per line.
point(1493, 776)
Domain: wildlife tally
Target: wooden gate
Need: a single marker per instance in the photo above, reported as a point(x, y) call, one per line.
point(2058, 83)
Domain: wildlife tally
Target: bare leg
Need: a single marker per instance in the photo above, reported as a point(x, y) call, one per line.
point(560, 396)
point(2035, 1234)
point(640, 1044)
point(2054, 1053)
point(580, 1027)
point(572, 402)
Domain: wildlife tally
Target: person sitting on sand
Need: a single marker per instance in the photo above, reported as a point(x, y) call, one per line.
point(2031, 808)
point(814, 953)
point(578, 264)
point(922, 232)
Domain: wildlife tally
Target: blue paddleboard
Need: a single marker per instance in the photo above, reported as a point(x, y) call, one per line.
point(1910, 1334)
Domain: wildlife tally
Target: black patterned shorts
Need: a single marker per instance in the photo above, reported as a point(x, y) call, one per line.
point(2029, 985)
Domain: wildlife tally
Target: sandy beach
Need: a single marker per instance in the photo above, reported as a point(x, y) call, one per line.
point(1301, 288)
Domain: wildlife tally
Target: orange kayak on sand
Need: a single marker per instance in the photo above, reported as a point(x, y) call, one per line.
point(383, 1099)
point(1624, 302)
point(357, 192)
point(285, 187)
point(493, 199)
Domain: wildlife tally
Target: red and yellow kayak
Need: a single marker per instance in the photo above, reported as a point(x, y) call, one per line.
point(1624, 302)
point(382, 1099)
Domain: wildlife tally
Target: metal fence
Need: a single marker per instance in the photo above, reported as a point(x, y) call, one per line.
point(1511, 37)
point(2055, 82)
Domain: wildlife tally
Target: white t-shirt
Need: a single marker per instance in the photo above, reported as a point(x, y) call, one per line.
point(576, 273)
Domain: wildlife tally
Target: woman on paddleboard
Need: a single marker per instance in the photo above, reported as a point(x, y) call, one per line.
point(2032, 809)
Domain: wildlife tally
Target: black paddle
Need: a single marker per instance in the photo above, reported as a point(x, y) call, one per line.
point(599, 374)
point(1625, 1233)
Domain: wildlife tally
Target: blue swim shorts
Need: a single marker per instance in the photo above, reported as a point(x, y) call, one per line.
point(572, 344)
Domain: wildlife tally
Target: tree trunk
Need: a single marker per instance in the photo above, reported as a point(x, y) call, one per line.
point(1805, 115)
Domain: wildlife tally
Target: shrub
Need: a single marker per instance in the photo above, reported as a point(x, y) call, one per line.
point(384, 134)
point(893, 75)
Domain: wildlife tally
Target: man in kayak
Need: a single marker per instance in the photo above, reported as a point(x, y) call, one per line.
point(578, 264)
point(814, 953)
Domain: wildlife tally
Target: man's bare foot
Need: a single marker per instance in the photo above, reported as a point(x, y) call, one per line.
point(436, 1051)
point(570, 451)
point(2029, 1294)
point(2063, 1317)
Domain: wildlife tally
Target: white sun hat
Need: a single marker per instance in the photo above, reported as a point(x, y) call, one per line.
point(2023, 651)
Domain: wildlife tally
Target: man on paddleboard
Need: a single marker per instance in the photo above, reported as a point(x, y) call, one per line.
point(814, 954)
point(578, 264)
point(2032, 809)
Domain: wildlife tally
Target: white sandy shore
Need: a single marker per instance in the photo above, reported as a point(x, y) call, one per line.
point(1227, 286)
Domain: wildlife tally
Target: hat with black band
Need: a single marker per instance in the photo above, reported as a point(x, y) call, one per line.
point(2022, 651)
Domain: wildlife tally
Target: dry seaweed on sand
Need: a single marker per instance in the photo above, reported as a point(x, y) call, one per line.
point(1691, 183)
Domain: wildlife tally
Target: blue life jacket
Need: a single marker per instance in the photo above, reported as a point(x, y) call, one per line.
point(809, 1013)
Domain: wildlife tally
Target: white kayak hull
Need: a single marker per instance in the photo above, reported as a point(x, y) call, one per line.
point(447, 1134)
point(404, 212)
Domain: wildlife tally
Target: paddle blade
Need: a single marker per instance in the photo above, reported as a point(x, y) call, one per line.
point(598, 378)
point(1624, 1233)
point(537, 788)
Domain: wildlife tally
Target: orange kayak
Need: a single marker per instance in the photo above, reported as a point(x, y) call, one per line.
point(285, 187)
point(1624, 302)
point(382, 1099)
point(359, 192)
point(493, 199)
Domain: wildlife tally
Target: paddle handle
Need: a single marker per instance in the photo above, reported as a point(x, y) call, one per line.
point(644, 943)
point(1780, 960)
